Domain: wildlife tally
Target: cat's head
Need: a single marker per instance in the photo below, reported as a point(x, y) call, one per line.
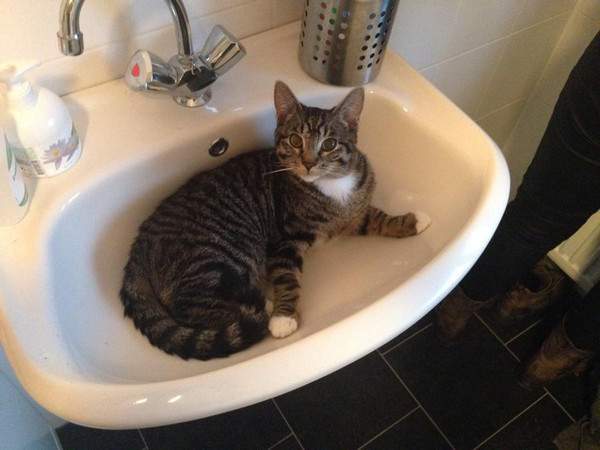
point(316, 143)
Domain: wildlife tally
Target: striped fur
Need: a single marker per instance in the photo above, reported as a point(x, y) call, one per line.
point(202, 263)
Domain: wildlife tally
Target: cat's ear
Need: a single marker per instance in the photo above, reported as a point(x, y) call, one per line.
point(349, 109)
point(285, 102)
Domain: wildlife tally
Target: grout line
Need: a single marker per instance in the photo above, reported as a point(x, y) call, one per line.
point(390, 427)
point(496, 110)
point(524, 331)
point(143, 439)
point(493, 41)
point(546, 390)
point(497, 337)
point(287, 423)
point(584, 14)
point(407, 338)
point(285, 438)
point(511, 420)
point(416, 400)
point(560, 405)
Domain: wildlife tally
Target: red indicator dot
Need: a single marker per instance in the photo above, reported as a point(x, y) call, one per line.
point(135, 71)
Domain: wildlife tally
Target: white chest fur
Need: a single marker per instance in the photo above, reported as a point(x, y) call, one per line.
point(339, 189)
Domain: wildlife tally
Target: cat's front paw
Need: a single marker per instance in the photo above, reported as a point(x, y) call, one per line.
point(406, 225)
point(283, 326)
point(423, 221)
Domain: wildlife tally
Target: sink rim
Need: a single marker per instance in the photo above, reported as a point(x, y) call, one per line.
point(112, 405)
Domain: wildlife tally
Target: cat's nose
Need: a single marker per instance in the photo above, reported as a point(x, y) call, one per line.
point(309, 164)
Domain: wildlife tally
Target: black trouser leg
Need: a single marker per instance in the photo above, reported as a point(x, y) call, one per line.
point(560, 190)
point(582, 323)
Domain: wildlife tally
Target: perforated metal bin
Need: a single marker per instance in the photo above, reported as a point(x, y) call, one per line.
point(343, 42)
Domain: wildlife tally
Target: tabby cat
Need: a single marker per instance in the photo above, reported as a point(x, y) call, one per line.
point(196, 281)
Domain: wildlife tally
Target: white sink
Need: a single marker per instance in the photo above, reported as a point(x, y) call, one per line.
point(61, 319)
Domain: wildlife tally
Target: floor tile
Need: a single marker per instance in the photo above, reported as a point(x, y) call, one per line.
point(347, 408)
point(419, 325)
point(535, 429)
point(575, 394)
point(414, 432)
point(289, 444)
point(470, 389)
point(255, 427)
point(75, 437)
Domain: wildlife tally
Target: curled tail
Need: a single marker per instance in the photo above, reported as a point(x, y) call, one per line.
point(239, 326)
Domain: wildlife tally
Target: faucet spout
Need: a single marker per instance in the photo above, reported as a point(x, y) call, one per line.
point(187, 76)
point(70, 37)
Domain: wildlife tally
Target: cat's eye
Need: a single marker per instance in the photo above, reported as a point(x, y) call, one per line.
point(296, 140)
point(329, 144)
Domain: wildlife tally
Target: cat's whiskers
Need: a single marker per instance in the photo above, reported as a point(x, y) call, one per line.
point(278, 170)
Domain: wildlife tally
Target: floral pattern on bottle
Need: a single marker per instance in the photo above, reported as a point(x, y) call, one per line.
point(64, 148)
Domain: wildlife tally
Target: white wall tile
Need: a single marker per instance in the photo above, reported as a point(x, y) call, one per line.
point(500, 123)
point(481, 21)
point(521, 65)
point(532, 123)
point(245, 20)
point(26, 30)
point(7, 371)
point(464, 78)
point(589, 8)
point(114, 20)
point(113, 29)
point(578, 33)
point(524, 140)
point(535, 11)
point(422, 28)
point(21, 427)
point(286, 11)
point(107, 62)
point(33, 23)
point(430, 31)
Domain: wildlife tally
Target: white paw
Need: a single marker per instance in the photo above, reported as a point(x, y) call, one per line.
point(423, 221)
point(282, 326)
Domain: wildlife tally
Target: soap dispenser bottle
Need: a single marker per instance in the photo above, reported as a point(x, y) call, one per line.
point(14, 199)
point(38, 127)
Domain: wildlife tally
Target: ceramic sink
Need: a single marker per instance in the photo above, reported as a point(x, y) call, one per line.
point(61, 320)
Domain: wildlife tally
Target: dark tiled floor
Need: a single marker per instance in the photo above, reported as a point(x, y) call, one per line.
point(478, 375)
point(289, 443)
point(257, 426)
point(351, 405)
point(414, 431)
point(75, 437)
point(411, 394)
point(534, 429)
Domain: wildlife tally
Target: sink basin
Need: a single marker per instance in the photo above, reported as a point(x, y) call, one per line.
point(61, 320)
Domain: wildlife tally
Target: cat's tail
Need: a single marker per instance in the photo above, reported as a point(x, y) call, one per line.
point(240, 325)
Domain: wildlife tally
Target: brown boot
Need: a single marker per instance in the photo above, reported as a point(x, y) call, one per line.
point(556, 358)
point(545, 285)
point(453, 313)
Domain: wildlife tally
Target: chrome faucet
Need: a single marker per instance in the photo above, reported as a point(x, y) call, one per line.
point(186, 77)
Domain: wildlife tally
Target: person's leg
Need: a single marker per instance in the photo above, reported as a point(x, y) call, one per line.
point(570, 346)
point(560, 191)
point(582, 323)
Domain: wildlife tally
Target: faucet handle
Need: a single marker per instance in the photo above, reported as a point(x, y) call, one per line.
point(221, 50)
point(147, 71)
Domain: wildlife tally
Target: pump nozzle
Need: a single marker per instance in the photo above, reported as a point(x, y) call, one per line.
point(11, 76)
point(13, 72)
